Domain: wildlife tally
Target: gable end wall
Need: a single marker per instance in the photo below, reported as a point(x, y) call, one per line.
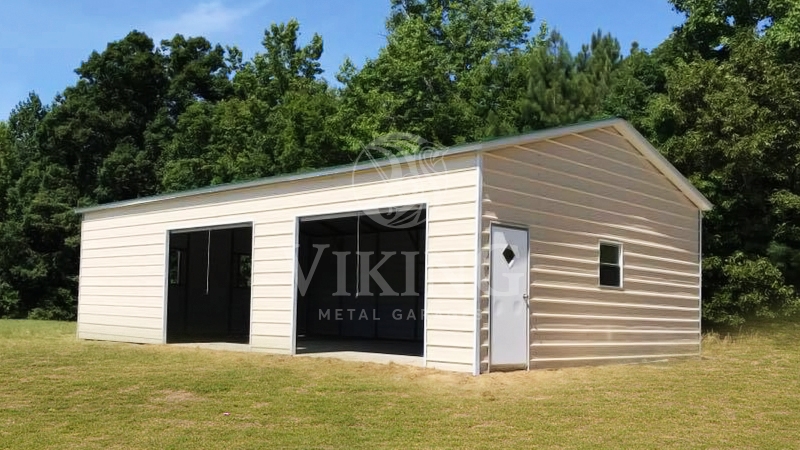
point(571, 192)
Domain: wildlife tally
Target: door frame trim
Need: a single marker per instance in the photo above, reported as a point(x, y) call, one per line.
point(211, 227)
point(420, 203)
point(526, 229)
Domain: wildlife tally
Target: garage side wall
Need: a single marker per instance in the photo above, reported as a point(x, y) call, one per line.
point(123, 253)
point(572, 192)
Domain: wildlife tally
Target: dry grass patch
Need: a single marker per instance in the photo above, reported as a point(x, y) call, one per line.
point(58, 392)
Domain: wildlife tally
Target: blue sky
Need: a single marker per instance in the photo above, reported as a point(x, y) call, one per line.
point(43, 41)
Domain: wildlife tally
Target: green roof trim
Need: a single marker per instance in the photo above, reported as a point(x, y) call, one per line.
point(486, 145)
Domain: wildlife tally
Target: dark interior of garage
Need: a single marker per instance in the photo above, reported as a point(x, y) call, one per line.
point(209, 285)
point(342, 306)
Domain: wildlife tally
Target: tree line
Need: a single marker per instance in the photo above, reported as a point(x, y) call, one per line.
point(720, 97)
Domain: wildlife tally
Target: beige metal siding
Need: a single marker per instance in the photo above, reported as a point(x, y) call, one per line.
point(571, 192)
point(123, 258)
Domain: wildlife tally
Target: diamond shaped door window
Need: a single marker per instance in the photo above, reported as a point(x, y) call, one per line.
point(509, 255)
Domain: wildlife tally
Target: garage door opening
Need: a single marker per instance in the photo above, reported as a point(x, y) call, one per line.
point(361, 283)
point(208, 294)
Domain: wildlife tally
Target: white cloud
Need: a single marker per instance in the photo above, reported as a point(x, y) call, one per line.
point(205, 18)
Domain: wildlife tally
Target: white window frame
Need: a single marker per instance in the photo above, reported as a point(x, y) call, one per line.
point(621, 265)
point(180, 278)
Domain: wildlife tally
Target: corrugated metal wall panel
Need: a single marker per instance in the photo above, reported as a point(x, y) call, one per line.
point(120, 333)
point(123, 253)
point(571, 192)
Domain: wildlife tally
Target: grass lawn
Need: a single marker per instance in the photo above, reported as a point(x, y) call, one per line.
point(58, 392)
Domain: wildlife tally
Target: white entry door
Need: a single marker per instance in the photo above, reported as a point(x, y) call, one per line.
point(508, 308)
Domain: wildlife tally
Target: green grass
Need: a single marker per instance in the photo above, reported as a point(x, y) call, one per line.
point(58, 392)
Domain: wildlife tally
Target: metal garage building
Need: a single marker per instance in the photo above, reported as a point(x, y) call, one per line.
point(568, 246)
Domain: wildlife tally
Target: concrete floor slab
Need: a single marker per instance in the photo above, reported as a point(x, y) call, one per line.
point(374, 351)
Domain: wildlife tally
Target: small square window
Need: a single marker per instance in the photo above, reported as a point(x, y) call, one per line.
point(242, 264)
point(610, 271)
point(609, 254)
point(175, 267)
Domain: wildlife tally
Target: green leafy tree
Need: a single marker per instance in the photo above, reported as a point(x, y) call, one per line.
point(720, 97)
point(196, 71)
point(421, 82)
point(639, 77)
point(727, 117)
point(281, 119)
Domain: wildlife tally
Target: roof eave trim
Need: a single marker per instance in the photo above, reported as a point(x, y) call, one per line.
point(620, 125)
point(539, 135)
point(657, 159)
point(235, 186)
